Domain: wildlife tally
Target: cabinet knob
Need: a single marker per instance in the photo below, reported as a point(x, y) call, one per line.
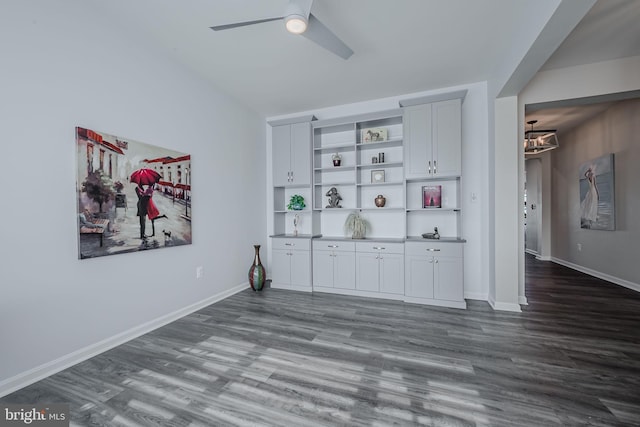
point(436, 261)
point(431, 261)
point(433, 250)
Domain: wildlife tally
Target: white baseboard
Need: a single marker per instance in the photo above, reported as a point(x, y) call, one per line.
point(531, 252)
point(476, 296)
point(47, 369)
point(615, 280)
point(522, 300)
point(543, 258)
point(504, 306)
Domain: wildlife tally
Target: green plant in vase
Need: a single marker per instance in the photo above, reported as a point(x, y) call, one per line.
point(356, 225)
point(296, 203)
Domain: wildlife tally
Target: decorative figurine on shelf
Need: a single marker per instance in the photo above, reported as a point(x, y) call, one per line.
point(356, 225)
point(296, 221)
point(334, 198)
point(434, 235)
point(380, 201)
point(296, 203)
point(337, 159)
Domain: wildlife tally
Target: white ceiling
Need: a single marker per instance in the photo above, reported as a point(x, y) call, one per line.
point(400, 46)
point(610, 30)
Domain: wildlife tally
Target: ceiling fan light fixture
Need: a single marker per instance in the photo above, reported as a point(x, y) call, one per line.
point(296, 24)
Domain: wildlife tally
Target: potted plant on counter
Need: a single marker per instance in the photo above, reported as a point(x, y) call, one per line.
point(296, 203)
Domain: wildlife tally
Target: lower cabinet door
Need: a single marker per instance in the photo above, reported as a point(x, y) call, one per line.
point(344, 270)
point(448, 279)
point(419, 276)
point(392, 273)
point(367, 275)
point(323, 269)
point(300, 268)
point(281, 267)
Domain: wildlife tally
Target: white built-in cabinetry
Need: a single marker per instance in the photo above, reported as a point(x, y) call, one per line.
point(291, 153)
point(334, 264)
point(291, 263)
point(422, 148)
point(433, 273)
point(380, 268)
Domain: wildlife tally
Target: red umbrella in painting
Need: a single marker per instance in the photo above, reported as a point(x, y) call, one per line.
point(145, 176)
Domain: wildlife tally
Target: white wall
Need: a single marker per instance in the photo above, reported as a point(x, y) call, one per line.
point(611, 253)
point(474, 164)
point(65, 65)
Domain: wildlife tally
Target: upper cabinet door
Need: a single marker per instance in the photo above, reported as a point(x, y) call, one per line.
point(418, 141)
point(301, 153)
point(281, 150)
point(447, 138)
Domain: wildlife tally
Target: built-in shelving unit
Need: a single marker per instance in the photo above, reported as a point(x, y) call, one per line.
point(411, 156)
point(362, 174)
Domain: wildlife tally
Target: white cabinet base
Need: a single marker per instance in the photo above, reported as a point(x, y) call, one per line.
point(291, 287)
point(357, 293)
point(438, 302)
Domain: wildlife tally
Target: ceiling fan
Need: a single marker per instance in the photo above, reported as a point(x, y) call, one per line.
point(298, 19)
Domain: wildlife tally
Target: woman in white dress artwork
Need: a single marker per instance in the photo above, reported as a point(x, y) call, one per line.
point(589, 205)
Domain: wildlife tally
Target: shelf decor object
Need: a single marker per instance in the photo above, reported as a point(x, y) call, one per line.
point(435, 235)
point(257, 273)
point(337, 159)
point(296, 203)
point(334, 198)
point(432, 196)
point(356, 225)
point(373, 135)
point(380, 201)
point(377, 176)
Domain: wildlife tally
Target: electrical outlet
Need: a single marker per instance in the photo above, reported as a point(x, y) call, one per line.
point(199, 272)
point(474, 197)
point(579, 247)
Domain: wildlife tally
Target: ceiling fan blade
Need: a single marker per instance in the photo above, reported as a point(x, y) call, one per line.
point(242, 24)
point(318, 33)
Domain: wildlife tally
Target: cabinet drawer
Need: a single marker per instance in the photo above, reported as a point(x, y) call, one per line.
point(434, 249)
point(383, 247)
point(334, 245)
point(284, 243)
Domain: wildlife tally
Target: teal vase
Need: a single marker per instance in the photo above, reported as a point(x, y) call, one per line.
point(257, 273)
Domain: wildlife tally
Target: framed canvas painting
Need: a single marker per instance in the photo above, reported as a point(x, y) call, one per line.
point(431, 196)
point(132, 196)
point(597, 194)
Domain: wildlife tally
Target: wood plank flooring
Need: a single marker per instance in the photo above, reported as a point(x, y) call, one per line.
point(283, 358)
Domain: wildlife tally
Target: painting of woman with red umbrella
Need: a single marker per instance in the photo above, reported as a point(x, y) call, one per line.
point(149, 178)
point(160, 189)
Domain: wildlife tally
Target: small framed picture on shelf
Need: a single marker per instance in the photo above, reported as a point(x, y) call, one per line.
point(431, 196)
point(377, 176)
point(373, 135)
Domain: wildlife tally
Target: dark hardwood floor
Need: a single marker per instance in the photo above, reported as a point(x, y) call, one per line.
point(572, 357)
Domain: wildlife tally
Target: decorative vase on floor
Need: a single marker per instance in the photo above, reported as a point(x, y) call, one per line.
point(256, 272)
